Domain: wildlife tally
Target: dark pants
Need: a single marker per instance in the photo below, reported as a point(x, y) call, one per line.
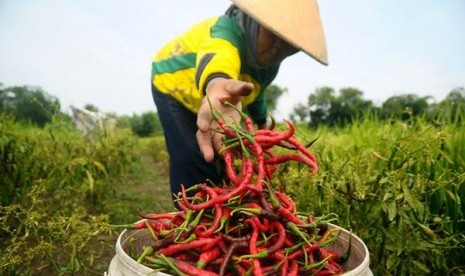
point(187, 165)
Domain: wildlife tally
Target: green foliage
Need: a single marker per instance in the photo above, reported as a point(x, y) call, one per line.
point(146, 124)
point(300, 113)
point(396, 107)
point(45, 242)
point(453, 107)
point(398, 186)
point(55, 190)
point(30, 104)
point(325, 107)
point(59, 153)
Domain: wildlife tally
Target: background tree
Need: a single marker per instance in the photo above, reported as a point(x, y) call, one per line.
point(300, 113)
point(124, 121)
point(453, 106)
point(325, 107)
point(347, 106)
point(319, 103)
point(27, 103)
point(146, 124)
point(273, 93)
point(91, 107)
point(404, 106)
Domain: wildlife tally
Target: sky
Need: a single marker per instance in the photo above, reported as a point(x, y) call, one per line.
point(100, 52)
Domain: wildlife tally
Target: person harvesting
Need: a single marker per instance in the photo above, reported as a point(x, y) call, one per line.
point(225, 63)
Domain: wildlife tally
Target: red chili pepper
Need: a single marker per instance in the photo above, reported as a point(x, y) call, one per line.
point(293, 268)
point(212, 202)
point(288, 242)
point(229, 167)
point(227, 130)
point(259, 212)
point(334, 266)
point(207, 256)
point(260, 165)
point(293, 141)
point(274, 247)
point(286, 201)
point(192, 270)
point(224, 219)
point(287, 215)
point(274, 137)
point(232, 239)
point(239, 269)
point(284, 268)
point(188, 257)
point(265, 226)
point(169, 216)
point(257, 269)
point(249, 124)
point(278, 159)
point(138, 224)
point(229, 252)
point(176, 248)
point(326, 273)
point(247, 171)
point(162, 243)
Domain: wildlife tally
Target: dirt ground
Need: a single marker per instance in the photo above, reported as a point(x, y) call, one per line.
point(146, 189)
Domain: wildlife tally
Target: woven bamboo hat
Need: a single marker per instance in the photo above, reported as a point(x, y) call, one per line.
point(296, 21)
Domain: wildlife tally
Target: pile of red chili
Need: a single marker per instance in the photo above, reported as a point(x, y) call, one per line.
point(243, 227)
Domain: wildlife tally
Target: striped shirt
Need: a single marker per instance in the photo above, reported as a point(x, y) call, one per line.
point(214, 47)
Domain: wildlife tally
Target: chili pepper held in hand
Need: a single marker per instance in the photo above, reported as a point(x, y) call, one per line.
point(293, 141)
point(227, 130)
point(278, 159)
point(273, 137)
point(220, 199)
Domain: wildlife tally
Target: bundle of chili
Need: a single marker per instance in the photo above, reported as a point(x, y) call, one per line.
point(243, 227)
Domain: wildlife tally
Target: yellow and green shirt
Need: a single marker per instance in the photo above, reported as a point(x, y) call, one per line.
point(215, 47)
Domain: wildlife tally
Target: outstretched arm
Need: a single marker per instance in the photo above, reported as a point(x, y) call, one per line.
point(219, 92)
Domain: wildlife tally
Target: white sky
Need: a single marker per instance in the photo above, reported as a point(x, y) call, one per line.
point(100, 52)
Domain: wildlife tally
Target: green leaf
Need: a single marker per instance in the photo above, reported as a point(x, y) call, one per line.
point(392, 210)
point(413, 201)
point(461, 195)
point(452, 204)
point(387, 196)
point(90, 181)
point(436, 201)
point(421, 266)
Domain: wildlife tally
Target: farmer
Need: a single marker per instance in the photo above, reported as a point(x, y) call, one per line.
point(231, 59)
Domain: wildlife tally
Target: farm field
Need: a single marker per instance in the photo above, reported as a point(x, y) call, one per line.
point(400, 186)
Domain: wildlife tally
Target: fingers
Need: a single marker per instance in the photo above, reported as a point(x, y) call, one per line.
point(204, 139)
point(238, 89)
point(219, 91)
point(204, 133)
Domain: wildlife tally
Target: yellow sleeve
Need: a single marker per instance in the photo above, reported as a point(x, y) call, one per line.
point(216, 57)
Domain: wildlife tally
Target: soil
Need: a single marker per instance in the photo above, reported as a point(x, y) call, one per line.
point(145, 189)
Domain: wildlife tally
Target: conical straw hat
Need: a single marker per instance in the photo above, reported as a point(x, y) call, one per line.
point(296, 21)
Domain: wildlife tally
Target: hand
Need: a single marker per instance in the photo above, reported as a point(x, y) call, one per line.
point(219, 92)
